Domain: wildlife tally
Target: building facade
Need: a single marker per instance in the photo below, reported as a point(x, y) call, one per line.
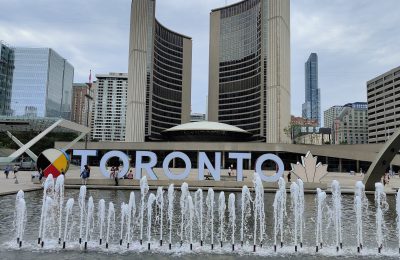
point(249, 67)
point(6, 78)
point(82, 104)
point(383, 106)
point(197, 117)
point(351, 126)
point(110, 103)
point(42, 84)
point(330, 115)
point(160, 64)
point(312, 106)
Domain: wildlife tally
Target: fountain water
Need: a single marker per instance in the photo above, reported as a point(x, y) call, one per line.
point(59, 198)
point(131, 215)
point(337, 212)
point(279, 210)
point(182, 202)
point(124, 217)
point(360, 203)
point(320, 201)
point(398, 215)
point(171, 196)
point(48, 190)
point(210, 215)
point(232, 217)
point(20, 216)
point(221, 214)
point(198, 206)
point(381, 208)
point(301, 209)
point(68, 214)
point(82, 199)
point(110, 222)
point(144, 189)
point(246, 210)
point(47, 218)
point(89, 220)
point(190, 210)
point(160, 205)
point(258, 210)
point(294, 194)
point(101, 217)
point(150, 203)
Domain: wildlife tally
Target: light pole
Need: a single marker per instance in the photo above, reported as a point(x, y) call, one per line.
point(88, 97)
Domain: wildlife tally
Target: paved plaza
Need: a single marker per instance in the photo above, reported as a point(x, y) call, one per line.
point(97, 180)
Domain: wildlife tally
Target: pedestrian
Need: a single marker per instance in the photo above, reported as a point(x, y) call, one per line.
point(7, 171)
point(41, 175)
point(289, 177)
point(15, 170)
point(87, 168)
point(229, 170)
point(116, 175)
point(112, 172)
point(84, 176)
point(130, 174)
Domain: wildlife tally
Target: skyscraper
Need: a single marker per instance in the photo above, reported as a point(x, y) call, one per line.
point(110, 107)
point(81, 103)
point(42, 84)
point(160, 67)
point(6, 78)
point(249, 67)
point(312, 105)
point(330, 115)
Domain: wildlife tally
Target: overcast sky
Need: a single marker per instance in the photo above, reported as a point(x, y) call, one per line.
point(356, 40)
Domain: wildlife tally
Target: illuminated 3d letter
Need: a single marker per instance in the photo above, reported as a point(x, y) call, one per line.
point(122, 156)
point(278, 162)
point(239, 159)
point(171, 175)
point(147, 166)
point(214, 171)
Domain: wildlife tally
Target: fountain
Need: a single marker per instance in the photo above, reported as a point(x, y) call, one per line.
point(360, 205)
point(101, 216)
point(124, 217)
point(221, 214)
point(398, 215)
point(190, 210)
point(110, 222)
point(144, 188)
point(232, 217)
point(301, 209)
point(131, 215)
point(171, 196)
point(82, 198)
point(160, 205)
point(20, 217)
point(198, 207)
point(59, 197)
point(246, 211)
point(258, 210)
point(182, 203)
point(68, 214)
point(47, 218)
point(210, 215)
point(320, 201)
point(150, 202)
point(89, 220)
point(48, 190)
point(337, 212)
point(381, 208)
point(279, 210)
point(295, 194)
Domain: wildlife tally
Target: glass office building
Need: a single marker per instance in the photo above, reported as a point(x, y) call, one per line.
point(160, 63)
point(249, 77)
point(42, 84)
point(312, 105)
point(6, 78)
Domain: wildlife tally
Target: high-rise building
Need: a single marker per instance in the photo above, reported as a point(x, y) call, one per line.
point(6, 78)
point(249, 67)
point(81, 103)
point(351, 127)
point(330, 115)
point(110, 107)
point(42, 84)
point(160, 67)
point(312, 104)
point(383, 106)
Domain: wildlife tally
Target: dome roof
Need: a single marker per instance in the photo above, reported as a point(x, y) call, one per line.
point(206, 126)
point(206, 131)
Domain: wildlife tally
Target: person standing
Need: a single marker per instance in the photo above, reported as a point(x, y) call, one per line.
point(7, 171)
point(15, 170)
point(289, 177)
point(84, 176)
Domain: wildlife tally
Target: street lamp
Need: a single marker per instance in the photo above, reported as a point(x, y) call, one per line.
point(88, 97)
